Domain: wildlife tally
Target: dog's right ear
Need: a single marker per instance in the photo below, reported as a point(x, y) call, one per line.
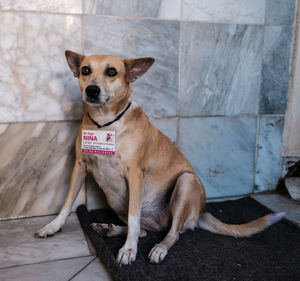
point(74, 60)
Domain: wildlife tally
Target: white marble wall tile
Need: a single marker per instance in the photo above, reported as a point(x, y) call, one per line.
point(35, 80)
point(220, 69)
point(157, 90)
point(56, 6)
point(225, 11)
point(268, 165)
point(35, 168)
point(221, 151)
point(166, 9)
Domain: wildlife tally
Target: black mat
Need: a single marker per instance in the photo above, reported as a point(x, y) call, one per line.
point(200, 255)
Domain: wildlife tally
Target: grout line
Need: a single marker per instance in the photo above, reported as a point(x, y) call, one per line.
point(32, 217)
point(82, 13)
point(179, 77)
point(82, 269)
point(82, 31)
point(130, 17)
point(40, 121)
point(82, 7)
point(265, 16)
point(292, 71)
point(150, 116)
point(183, 20)
point(242, 195)
point(41, 262)
point(229, 196)
point(234, 116)
point(89, 244)
point(40, 12)
point(133, 17)
point(262, 61)
point(256, 152)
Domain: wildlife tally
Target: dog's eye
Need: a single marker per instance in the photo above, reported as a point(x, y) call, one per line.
point(85, 70)
point(111, 72)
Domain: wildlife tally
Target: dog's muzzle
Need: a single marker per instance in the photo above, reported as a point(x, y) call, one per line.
point(92, 91)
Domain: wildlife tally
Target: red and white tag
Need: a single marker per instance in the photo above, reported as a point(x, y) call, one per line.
point(99, 142)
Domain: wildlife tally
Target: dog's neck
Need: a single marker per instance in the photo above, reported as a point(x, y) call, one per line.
point(109, 111)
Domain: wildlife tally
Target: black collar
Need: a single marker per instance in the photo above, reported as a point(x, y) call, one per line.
point(109, 123)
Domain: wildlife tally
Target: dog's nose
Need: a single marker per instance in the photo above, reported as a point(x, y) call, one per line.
point(92, 91)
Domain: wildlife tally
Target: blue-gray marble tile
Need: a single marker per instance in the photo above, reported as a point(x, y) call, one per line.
point(33, 68)
point(167, 9)
point(225, 11)
point(276, 69)
point(66, 6)
point(221, 150)
point(268, 164)
point(220, 69)
point(280, 12)
point(157, 90)
point(167, 126)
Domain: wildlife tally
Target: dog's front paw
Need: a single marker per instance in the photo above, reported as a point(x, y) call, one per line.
point(126, 255)
point(49, 230)
point(157, 254)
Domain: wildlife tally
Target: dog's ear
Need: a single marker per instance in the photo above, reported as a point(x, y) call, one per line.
point(135, 68)
point(74, 60)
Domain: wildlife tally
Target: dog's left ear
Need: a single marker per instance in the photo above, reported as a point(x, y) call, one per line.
point(74, 60)
point(135, 68)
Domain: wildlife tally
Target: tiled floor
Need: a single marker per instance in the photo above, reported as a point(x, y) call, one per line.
point(68, 255)
point(65, 256)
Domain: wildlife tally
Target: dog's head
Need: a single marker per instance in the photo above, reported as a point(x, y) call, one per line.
point(105, 79)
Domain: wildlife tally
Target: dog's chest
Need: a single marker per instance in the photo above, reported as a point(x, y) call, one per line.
point(108, 171)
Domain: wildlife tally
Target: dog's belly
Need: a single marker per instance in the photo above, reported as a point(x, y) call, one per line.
point(155, 212)
point(109, 175)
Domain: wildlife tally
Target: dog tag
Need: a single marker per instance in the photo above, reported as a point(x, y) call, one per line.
point(99, 142)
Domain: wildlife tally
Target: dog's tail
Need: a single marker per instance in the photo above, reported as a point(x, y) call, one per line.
point(208, 222)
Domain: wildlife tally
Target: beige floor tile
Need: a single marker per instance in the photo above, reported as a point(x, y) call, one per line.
point(95, 271)
point(18, 246)
point(278, 203)
point(62, 270)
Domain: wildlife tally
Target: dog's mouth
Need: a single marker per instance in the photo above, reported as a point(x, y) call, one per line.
point(96, 101)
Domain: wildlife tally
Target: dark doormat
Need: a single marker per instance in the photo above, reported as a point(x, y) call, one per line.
point(200, 255)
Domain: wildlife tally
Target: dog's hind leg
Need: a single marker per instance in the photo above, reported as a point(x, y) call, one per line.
point(113, 230)
point(187, 201)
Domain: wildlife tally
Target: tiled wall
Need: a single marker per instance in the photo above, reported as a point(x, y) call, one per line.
point(218, 89)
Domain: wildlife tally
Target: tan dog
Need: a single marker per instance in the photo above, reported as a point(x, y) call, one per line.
point(146, 180)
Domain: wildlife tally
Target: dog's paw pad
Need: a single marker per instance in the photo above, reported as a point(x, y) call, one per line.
point(157, 254)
